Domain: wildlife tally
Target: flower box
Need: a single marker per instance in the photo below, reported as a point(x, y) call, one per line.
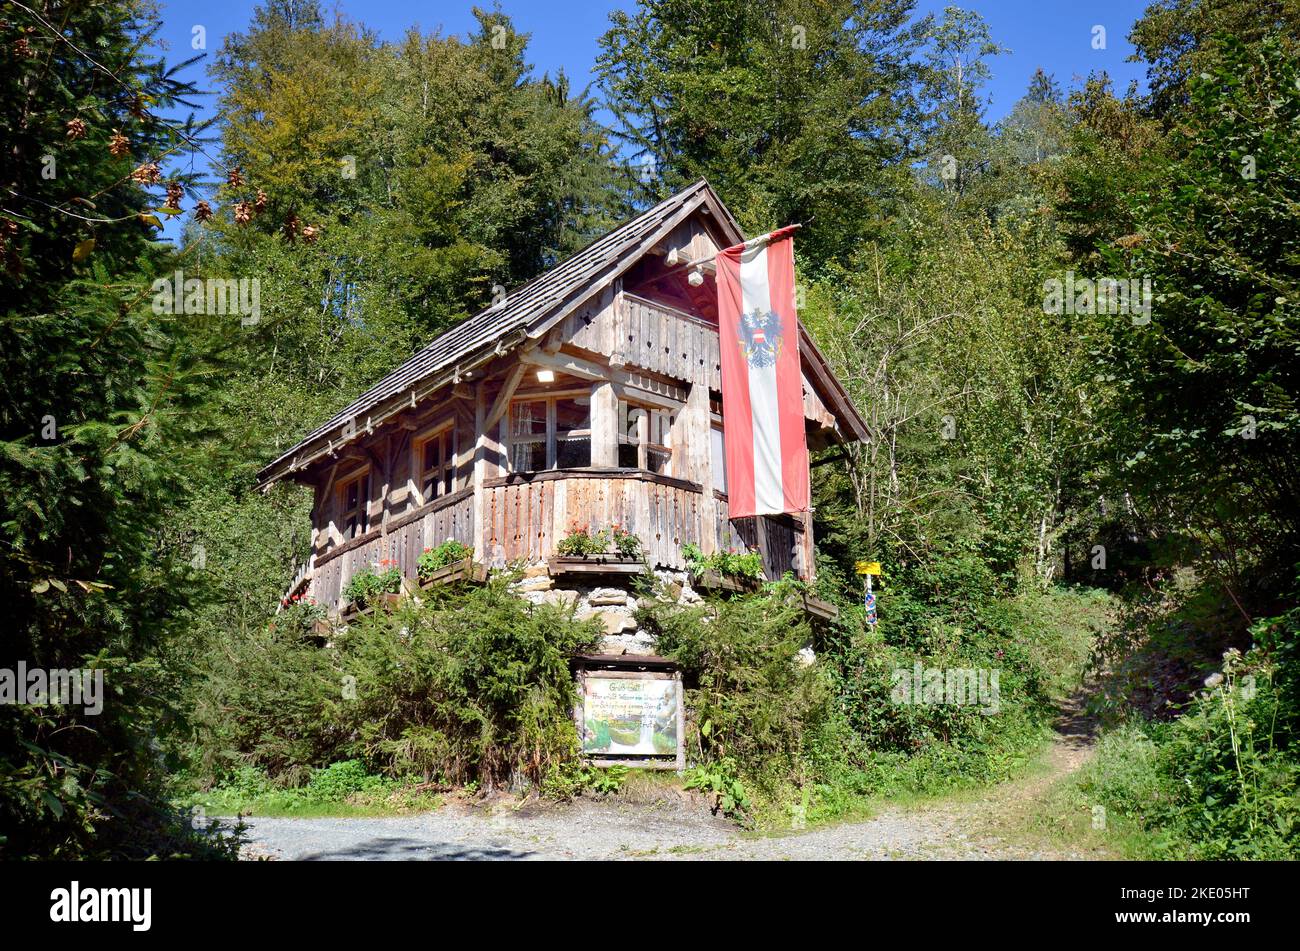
point(463, 570)
point(596, 564)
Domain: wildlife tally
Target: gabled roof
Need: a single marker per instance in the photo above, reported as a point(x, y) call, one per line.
point(529, 312)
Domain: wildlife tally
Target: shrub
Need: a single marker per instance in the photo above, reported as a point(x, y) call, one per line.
point(339, 780)
point(752, 700)
point(1221, 780)
point(718, 778)
point(730, 563)
point(821, 740)
point(470, 685)
point(298, 615)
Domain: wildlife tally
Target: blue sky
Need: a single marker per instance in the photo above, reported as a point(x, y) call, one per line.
point(1054, 34)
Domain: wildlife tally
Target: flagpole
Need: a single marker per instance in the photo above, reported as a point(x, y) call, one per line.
point(763, 238)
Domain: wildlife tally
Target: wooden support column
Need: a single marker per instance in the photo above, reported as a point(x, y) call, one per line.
point(806, 547)
point(691, 438)
point(487, 465)
point(604, 425)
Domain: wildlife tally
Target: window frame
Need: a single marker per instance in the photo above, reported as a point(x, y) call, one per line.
point(649, 413)
point(448, 434)
point(360, 478)
point(551, 439)
point(718, 463)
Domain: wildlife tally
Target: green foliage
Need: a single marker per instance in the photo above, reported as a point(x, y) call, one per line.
point(718, 778)
point(730, 563)
point(627, 544)
point(448, 553)
point(772, 102)
point(752, 700)
point(299, 615)
point(609, 780)
point(340, 780)
point(436, 165)
point(837, 729)
point(569, 778)
point(1221, 781)
point(469, 685)
point(580, 543)
point(1175, 38)
point(364, 588)
point(99, 399)
point(1218, 231)
point(340, 789)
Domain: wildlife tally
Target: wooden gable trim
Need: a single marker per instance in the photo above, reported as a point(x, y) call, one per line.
point(621, 265)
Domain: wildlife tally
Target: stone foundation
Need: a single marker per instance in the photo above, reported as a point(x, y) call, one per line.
point(611, 600)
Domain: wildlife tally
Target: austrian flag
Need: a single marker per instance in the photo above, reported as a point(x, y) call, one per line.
point(762, 383)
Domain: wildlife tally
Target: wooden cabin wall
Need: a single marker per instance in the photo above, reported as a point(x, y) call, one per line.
point(636, 332)
point(400, 524)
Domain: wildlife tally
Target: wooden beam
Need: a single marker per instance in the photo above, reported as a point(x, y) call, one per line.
point(565, 363)
point(554, 339)
point(480, 472)
point(507, 391)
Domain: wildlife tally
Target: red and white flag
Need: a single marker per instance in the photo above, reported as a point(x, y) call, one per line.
point(762, 383)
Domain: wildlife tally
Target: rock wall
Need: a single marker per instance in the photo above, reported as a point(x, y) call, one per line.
point(613, 600)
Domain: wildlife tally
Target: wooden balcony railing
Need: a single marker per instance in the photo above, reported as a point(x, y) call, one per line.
point(527, 514)
point(401, 542)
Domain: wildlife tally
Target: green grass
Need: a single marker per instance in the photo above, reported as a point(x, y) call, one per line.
point(340, 790)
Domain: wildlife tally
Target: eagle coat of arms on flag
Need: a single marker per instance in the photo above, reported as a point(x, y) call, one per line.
point(760, 338)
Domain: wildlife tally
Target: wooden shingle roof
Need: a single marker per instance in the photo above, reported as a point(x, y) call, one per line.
point(526, 312)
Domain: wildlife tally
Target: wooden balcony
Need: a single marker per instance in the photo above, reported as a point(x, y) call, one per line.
point(400, 541)
point(527, 514)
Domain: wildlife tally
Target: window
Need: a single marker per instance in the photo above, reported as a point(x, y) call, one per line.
point(718, 459)
point(573, 432)
point(644, 438)
point(629, 436)
point(354, 498)
point(528, 436)
point(657, 452)
point(437, 459)
point(551, 433)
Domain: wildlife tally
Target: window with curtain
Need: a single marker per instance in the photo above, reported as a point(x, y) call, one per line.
point(572, 432)
point(551, 433)
point(528, 435)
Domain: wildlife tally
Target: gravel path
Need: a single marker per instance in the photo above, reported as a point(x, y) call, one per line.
point(679, 826)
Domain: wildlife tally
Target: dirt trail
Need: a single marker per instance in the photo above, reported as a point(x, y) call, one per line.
point(989, 824)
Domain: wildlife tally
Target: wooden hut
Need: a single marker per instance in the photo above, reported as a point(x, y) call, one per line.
point(587, 397)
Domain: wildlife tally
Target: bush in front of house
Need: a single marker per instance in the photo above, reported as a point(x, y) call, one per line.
point(470, 686)
point(741, 565)
point(773, 736)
